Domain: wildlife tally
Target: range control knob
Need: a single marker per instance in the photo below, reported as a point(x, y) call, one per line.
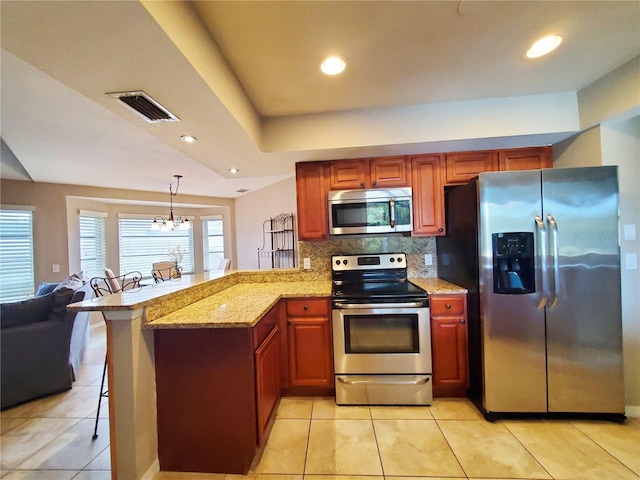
point(338, 262)
point(399, 259)
point(392, 259)
point(345, 261)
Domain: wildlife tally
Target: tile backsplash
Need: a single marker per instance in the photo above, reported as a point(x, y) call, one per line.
point(415, 248)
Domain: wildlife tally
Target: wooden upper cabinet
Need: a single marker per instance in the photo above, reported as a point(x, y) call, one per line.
point(369, 173)
point(525, 158)
point(428, 195)
point(463, 166)
point(389, 172)
point(311, 191)
point(348, 174)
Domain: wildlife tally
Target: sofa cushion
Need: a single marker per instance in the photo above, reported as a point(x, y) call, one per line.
point(46, 287)
point(33, 310)
point(61, 298)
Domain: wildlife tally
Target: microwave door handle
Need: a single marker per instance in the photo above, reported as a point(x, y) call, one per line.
point(392, 209)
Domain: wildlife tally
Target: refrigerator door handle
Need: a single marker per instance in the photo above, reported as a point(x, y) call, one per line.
point(541, 279)
point(553, 250)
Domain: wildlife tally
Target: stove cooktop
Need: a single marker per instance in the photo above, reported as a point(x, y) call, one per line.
point(367, 290)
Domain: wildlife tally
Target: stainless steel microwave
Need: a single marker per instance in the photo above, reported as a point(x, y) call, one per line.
point(370, 211)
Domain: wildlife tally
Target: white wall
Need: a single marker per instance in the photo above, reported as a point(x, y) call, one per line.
point(621, 146)
point(581, 150)
point(251, 210)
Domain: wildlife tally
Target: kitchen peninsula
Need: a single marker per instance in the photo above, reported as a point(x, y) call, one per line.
point(163, 340)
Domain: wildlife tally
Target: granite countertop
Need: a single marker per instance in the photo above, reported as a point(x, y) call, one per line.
point(241, 305)
point(225, 299)
point(245, 304)
point(437, 286)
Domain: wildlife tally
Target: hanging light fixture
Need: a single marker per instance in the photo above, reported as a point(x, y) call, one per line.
point(171, 223)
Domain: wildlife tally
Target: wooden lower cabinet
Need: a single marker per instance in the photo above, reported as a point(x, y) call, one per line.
point(309, 346)
point(449, 348)
point(216, 391)
point(267, 359)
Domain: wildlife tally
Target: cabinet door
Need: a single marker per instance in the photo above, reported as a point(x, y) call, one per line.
point(389, 172)
point(267, 358)
point(525, 158)
point(311, 190)
point(449, 348)
point(463, 166)
point(310, 353)
point(428, 195)
point(349, 174)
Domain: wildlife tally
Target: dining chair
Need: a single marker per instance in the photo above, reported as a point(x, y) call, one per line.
point(165, 271)
point(225, 264)
point(107, 285)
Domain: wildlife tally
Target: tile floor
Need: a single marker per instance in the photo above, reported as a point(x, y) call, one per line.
point(313, 439)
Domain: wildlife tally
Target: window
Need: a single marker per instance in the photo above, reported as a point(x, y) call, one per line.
point(213, 239)
point(93, 249)
point(16, 255)
point(140, 246)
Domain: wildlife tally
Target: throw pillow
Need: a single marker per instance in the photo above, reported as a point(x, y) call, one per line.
point(61, 298)
point(73, 282)
point(33, 310)
point(46, 287)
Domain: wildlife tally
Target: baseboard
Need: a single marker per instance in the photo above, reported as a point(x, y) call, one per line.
point(632, 411)
point(153, 471)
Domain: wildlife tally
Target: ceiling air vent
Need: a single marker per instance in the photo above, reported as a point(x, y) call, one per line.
point(145, 106)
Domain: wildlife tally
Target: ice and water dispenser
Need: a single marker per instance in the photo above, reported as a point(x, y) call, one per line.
point(513, 263)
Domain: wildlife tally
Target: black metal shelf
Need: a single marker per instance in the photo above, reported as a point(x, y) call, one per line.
point(278, 242)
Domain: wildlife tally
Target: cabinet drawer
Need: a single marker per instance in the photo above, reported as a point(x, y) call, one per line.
point(308, 308)
point(267, 323)
point(447, 305)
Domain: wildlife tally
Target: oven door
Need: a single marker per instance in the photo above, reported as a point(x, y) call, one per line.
point(389, 340)
point(382, 355)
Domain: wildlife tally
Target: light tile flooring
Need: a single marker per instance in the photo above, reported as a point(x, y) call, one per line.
point(313, 439)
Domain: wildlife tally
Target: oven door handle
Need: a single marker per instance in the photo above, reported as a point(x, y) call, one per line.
point(414, 381)
point(342, 306)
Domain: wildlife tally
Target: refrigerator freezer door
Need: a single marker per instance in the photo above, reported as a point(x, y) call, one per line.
point(584, 328)
point(513, 328)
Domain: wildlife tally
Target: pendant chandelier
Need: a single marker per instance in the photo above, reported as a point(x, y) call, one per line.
point(171, 223)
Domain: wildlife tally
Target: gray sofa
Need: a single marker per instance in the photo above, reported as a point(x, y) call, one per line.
point(41, 344)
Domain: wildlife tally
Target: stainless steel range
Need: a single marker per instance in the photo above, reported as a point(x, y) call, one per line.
point(381, 333)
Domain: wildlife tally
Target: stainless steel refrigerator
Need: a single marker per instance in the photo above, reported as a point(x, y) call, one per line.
point(538, 251)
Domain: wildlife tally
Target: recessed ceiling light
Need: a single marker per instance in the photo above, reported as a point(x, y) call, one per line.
point(543, 46)
point(233, 170)
point(188, 138)
point(333, 65)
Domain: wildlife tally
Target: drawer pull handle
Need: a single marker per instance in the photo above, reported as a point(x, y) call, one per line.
point(462, 320)
point(306, 307)
point(448, 305)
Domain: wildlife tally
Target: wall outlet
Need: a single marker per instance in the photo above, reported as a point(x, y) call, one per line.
point(428, 259)
point(306, 263)
point(55, 268)
point(629, 232)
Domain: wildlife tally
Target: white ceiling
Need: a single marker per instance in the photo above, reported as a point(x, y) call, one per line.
point(227, 68)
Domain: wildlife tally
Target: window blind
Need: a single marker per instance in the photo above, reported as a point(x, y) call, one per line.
point(140, 246)
point(93, 246)
point(213, 239)
point(16, 255)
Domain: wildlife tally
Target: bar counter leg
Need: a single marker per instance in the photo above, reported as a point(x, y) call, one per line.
point(132, 397)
